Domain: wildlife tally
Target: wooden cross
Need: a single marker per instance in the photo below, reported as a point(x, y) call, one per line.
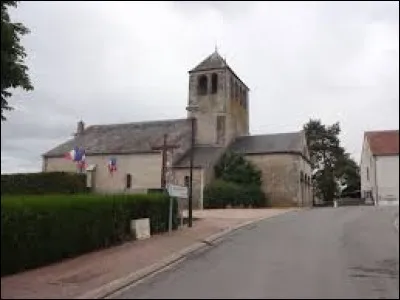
point(164, 148)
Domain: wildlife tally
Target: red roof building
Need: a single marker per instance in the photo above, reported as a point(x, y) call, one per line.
point(385, 142)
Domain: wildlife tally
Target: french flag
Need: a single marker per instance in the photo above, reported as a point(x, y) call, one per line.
point(112, 165)
point(76, 155)
point(71, 154)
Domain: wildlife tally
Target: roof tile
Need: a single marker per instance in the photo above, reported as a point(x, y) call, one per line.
point(213, 61)
point(126, 138)
point(270, 143)
point(385, 142)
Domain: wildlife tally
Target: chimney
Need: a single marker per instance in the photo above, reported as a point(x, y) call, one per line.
point(80, 128)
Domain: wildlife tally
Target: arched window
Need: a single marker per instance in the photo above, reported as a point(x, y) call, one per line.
point(202, 85)
point(128, 181)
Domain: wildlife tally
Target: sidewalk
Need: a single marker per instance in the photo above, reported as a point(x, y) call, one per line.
point(74, 277)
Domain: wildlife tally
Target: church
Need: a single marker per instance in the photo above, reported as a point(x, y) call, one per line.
point(218, 102)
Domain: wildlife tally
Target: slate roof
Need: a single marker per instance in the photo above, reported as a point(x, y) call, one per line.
point(213, 62)
point(125, 138)
point(291, 142)
point(204, 156)
point(385, 142)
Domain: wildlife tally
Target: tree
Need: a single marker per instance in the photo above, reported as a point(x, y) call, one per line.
point(349, 176)
point(13, 69)
point(235, 168)
point(333, 168)
point(237, 184)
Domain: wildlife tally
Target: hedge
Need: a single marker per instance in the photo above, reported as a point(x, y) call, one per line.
point(38, 230)
point(220, 194)
point(43, 183)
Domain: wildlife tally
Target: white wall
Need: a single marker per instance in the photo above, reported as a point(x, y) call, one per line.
point(367, 170)
point(387, 175)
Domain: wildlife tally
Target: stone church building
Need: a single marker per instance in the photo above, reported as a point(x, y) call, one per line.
point(219, 102)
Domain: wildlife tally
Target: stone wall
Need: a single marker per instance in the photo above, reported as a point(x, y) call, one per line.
point(205, 108)
point(145, 171)
point(237, 107)
point(281, 176)
point(229, 103)
point(201, 177)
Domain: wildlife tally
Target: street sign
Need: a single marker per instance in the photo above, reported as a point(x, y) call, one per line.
point(177, 191)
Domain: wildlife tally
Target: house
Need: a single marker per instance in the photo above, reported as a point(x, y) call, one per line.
point(380, 167)
point(219, 104)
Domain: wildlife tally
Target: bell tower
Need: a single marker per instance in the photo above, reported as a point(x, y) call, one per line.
point(218, 100)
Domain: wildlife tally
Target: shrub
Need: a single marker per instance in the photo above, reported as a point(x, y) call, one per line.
point(233, 167)
point(38, 230)
point(238, 184)
point(43, 183)
point(220, 194)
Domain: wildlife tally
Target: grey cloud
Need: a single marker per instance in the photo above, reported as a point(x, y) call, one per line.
point(119, 62)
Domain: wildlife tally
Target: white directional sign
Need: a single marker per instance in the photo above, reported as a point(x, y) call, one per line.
point(178, 191)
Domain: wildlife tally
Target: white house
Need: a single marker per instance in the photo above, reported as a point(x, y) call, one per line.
point(380, 167)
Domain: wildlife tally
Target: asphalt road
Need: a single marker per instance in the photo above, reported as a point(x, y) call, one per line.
point(347, 252)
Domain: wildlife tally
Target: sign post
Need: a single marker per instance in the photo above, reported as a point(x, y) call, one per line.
point(178, 192)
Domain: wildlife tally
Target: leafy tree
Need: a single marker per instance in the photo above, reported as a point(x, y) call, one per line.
point(237, 184)
point(235, 168)
point(349, 176)
point(332, 167)
point(13, 69)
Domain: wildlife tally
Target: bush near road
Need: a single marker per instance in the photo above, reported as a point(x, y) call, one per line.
point(220, 194)
point(43, 183)
point(39, 230)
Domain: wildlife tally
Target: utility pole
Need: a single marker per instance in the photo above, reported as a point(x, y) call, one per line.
point(190, 223)
point(164, 148)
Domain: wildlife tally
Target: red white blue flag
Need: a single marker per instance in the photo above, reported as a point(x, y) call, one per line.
point(112, 165)
point(77, 155)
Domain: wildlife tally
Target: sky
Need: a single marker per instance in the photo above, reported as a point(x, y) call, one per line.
point(116, 62)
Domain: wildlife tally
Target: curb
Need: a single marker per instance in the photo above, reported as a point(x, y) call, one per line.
point(114, 286)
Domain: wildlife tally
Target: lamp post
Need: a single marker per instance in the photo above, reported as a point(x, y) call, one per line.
point(190, 222)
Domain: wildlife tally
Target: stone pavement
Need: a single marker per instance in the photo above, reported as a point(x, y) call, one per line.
point(72, 278)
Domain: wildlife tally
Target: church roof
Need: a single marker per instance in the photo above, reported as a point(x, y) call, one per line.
point(213, 61)
point(126, 138)
point(204, 156)
point(291, 142)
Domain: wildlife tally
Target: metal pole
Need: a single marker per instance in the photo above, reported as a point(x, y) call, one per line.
point(164, 161)
point(201, 189)
point(170, 215)
point(190, 223)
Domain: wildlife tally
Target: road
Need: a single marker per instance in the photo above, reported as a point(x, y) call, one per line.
point(347, 252)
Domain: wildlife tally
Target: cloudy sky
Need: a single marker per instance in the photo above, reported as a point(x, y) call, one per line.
point(113, 62)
